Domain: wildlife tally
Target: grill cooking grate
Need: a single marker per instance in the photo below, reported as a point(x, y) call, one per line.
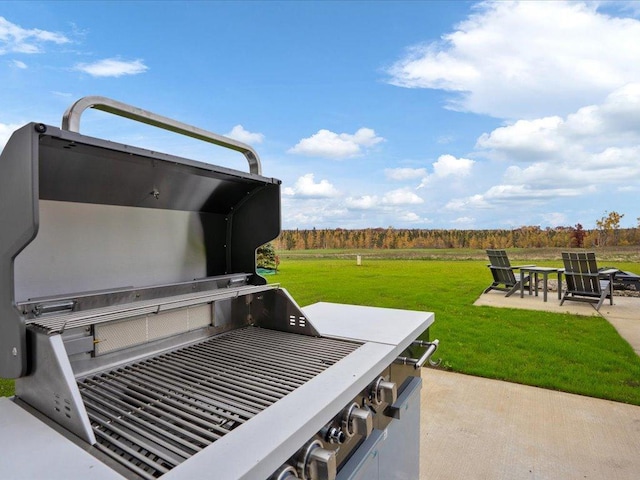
point(154, 414)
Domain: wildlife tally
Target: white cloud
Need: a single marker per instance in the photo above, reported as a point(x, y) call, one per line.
point(312, 212)
point(401, 196)
point(401, 174)
point(526, 59)
point(466, 222)
point(448, 166)
point(615, 122)
point(365, 202)
point(555, 218)
point(411, 217)
point(303, 219)
point(595, 149)
point(588, 170)
point(329, 144)
point(306, 187)
point(239, 133)
point(112, 67)
point(469, 203)
point(19, 64)
point(598, 143)
point(525, 139)
point(15, 39)
point(504, 196)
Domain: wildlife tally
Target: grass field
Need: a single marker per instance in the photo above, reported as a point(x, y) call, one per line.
point(583, 355)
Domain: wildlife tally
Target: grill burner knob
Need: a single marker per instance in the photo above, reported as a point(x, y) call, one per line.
point(357, 420)
point(317, 463)
point(286, 472)
point(384, 392)
point(334, 435)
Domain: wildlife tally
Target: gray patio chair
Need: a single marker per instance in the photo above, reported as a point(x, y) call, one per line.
point(584, 282)
point(504, 277)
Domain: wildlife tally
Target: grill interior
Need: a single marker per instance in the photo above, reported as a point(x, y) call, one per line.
point(153, 414)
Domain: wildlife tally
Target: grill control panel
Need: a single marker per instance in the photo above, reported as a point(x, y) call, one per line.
point(317, 463)
point(322, 457)
point(383, 392)
point(357, 420)
point(286, 472)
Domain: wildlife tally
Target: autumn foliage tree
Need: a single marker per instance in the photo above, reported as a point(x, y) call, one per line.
point(577, 236)
point(608, 227)
point(608, 233)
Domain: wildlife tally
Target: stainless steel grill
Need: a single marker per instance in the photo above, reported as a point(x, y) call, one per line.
point(154, 414)
point(144, 344)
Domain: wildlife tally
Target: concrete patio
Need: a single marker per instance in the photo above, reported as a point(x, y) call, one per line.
point(477, 428)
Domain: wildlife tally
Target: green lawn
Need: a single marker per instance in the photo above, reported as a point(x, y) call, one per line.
point(583, 355)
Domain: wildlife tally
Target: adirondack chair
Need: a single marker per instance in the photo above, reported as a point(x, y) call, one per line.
point(504, 277)
point(584, 282)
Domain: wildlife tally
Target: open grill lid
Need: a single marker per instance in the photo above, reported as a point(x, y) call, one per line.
point(82, 214)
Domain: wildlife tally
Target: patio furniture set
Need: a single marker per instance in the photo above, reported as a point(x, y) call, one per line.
point(584, 281)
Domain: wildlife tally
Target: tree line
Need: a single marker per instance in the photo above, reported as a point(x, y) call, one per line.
point(607, 233)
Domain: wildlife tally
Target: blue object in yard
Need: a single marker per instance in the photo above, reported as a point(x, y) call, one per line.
point(265, 271)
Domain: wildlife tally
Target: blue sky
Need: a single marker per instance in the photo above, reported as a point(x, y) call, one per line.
point(373, 114)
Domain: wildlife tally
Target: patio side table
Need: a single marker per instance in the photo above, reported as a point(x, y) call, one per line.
point(544, 271)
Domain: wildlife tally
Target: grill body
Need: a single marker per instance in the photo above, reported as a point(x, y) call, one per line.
point(142, 340)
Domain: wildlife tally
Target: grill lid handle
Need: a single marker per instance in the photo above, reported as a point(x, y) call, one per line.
point(71, 123)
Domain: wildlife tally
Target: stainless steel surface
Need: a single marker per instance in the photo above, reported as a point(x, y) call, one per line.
point(57, 323)
point(287, 472)
point(383, 392)
point(431, 349)
point(32, 450)
point(357, 421)
point(317, 463)
point(19, 227)
point(71, 122)
point(83, 214)
point(91, 300)
point(132, 314)
point(426, 356)
point(154, 414)
point(333, 434)
point(369, 324)
point(76, 231)
point(391, 453)
point(259, 447)
point(322, 464)
point(51, 387)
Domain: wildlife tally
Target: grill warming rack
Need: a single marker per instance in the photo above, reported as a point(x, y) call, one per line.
point(60, 322)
